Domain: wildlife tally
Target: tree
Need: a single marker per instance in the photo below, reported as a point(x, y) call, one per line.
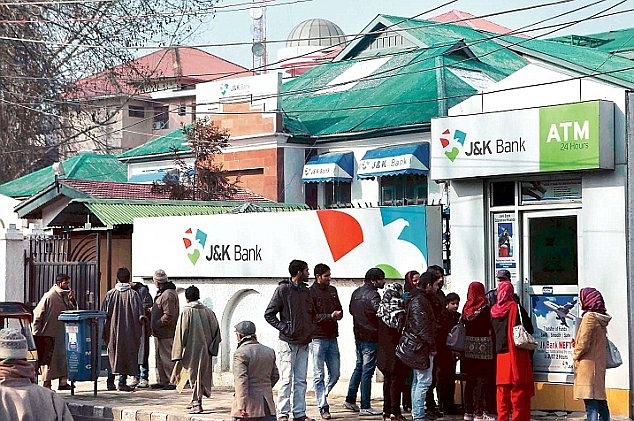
point(48, 46)
point(204, 180)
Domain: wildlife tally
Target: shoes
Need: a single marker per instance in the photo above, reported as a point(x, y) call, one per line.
point(484, 417)
point(134, 382)
point(304, 418)
point(143, 384)
point(351, 406)
point(369, 412)
point(467, 417)
point(197, 408)
point(407, 408)
point(157, 386)
point(111, 386)
point(169, 387)
point(325, 413)
point(125, 388)
point(433, 414)
point(65, 387)
point(282, 418)
point(398, 417)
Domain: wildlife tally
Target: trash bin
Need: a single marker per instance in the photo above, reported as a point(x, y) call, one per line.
point(83, 350)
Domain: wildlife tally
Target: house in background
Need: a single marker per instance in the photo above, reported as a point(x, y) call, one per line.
point(148, 97)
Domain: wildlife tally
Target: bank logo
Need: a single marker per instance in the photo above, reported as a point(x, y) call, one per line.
point(452, 144)
point(194, 243)
point(224, 88)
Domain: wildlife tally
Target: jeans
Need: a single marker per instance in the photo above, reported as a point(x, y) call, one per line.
point(325, 351)
point(362, 374)
point(293, 370)
point(420, 384)
point(597, 410)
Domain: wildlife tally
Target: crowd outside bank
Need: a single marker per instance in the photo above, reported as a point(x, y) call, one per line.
point(403, 333)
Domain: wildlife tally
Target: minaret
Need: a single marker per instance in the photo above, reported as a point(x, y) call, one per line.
point(258, 48)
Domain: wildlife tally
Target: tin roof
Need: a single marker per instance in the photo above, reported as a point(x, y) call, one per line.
point(163, 145)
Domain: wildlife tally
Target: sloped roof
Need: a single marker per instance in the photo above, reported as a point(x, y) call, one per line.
point(620, 41)
point(458, 17)
point(84, 165)
point(186, 64)
point(114, 212)
point(407, 90)
point(163, 145)
point(585, 60)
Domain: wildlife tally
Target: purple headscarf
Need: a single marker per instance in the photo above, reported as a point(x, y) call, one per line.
point(591, 300)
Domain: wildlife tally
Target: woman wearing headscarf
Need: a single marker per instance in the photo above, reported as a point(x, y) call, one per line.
point(390, 312)
point(477, 362)
point(589, 355)
point(411, 282)
point(514, 369)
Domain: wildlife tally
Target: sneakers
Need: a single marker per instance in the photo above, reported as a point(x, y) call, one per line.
point(369, 412)
point(484, 417)
point(467, 417)
point(143, 384)
point(351, 406)
point(134, 382)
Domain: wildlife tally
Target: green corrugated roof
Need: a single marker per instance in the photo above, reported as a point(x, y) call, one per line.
point(83, 166)
point(405, 91)
point(619, 41)
point(591, 61)
point(166, 144)
point(122, 212)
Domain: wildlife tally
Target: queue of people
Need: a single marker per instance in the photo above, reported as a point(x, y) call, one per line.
point(403, 333)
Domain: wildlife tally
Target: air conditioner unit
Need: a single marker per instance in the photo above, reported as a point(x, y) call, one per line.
point(157, 125)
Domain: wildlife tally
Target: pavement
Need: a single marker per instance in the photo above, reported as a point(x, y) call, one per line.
point(160, 405)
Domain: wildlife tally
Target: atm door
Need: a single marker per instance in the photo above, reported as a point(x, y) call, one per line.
point(551, 255)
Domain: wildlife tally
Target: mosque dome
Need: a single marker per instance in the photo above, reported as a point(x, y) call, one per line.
point(316, 32)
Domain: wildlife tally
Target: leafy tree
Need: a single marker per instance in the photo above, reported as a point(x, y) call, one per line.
point(205, 179)
point(48, 46)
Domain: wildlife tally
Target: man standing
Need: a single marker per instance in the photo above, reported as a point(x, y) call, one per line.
point(122, 331)
point(363, 307)
point(164, 315)
point(21, 398)
point(254, 375)
point(196, 341)
point(293, 302)
point(144, 351)
point(436, 297)
point(59, 298)
point(324, 346)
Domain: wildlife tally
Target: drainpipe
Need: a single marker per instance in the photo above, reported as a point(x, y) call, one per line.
point(441, 86)
point(629, 229)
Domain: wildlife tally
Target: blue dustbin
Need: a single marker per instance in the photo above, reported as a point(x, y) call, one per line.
point(83, 343)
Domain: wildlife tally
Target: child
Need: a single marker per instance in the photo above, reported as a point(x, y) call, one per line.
point(445, 360)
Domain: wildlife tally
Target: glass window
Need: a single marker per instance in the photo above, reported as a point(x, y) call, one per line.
point(336, 193)
point(182, 109)
point(407, 189)
point(161, 118)
point(503, 193)
point(553, 250)
point(136, 111)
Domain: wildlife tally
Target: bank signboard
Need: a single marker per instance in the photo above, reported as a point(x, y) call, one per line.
point(261, 245)
point(569, 137)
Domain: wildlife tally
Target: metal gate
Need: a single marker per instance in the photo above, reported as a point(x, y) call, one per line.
point(78, 257)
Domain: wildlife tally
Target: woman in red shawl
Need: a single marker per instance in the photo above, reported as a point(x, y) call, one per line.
point(514, 369)
point(477, 361)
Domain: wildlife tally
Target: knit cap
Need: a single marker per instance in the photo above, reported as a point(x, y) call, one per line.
point(160, 276)
point(12, 344)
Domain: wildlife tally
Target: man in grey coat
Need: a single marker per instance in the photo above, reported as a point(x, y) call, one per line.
point(254, 374)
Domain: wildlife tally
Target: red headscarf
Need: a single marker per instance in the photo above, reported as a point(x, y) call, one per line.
point(475, 299)
point(409, 279)
point(591, 300)
point(505, 300)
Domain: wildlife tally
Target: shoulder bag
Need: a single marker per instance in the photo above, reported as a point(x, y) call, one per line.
point(521, 337)
point(613, 355)
point(456, 337)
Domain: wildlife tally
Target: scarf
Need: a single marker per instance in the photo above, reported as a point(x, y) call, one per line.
point(16, 369)
point(391, 307)
point(505, 300)
point(122, 286)
point(476, 300)
point(409, 280)
point(591, 300)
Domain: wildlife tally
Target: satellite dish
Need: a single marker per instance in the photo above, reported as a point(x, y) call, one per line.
point(256, 12)
point(257, 49)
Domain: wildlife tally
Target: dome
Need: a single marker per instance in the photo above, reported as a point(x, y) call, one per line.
point(316, 32)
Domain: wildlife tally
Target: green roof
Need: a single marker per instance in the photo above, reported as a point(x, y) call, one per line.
point(166, 144)
point(112, 212)
point(620, 41)
point(83, 166)
point(404, 92)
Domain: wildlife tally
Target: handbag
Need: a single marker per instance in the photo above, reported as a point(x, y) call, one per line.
point(478, 347)
point(613, 356)
point(456, 337)
point(521, 337)
point(409, 350)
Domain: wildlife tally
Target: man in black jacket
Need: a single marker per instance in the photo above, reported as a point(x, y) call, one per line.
point(324, 346)
point(294, 304)
point(363, 307)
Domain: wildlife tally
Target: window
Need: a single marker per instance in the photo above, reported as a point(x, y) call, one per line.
point(336, 193)
point(503, 193)
point(182, 109)
point(161, 118)
point(408, 189)
point(136, 111)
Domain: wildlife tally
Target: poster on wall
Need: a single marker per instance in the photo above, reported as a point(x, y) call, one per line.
point(555, 319)
point(504, 247)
